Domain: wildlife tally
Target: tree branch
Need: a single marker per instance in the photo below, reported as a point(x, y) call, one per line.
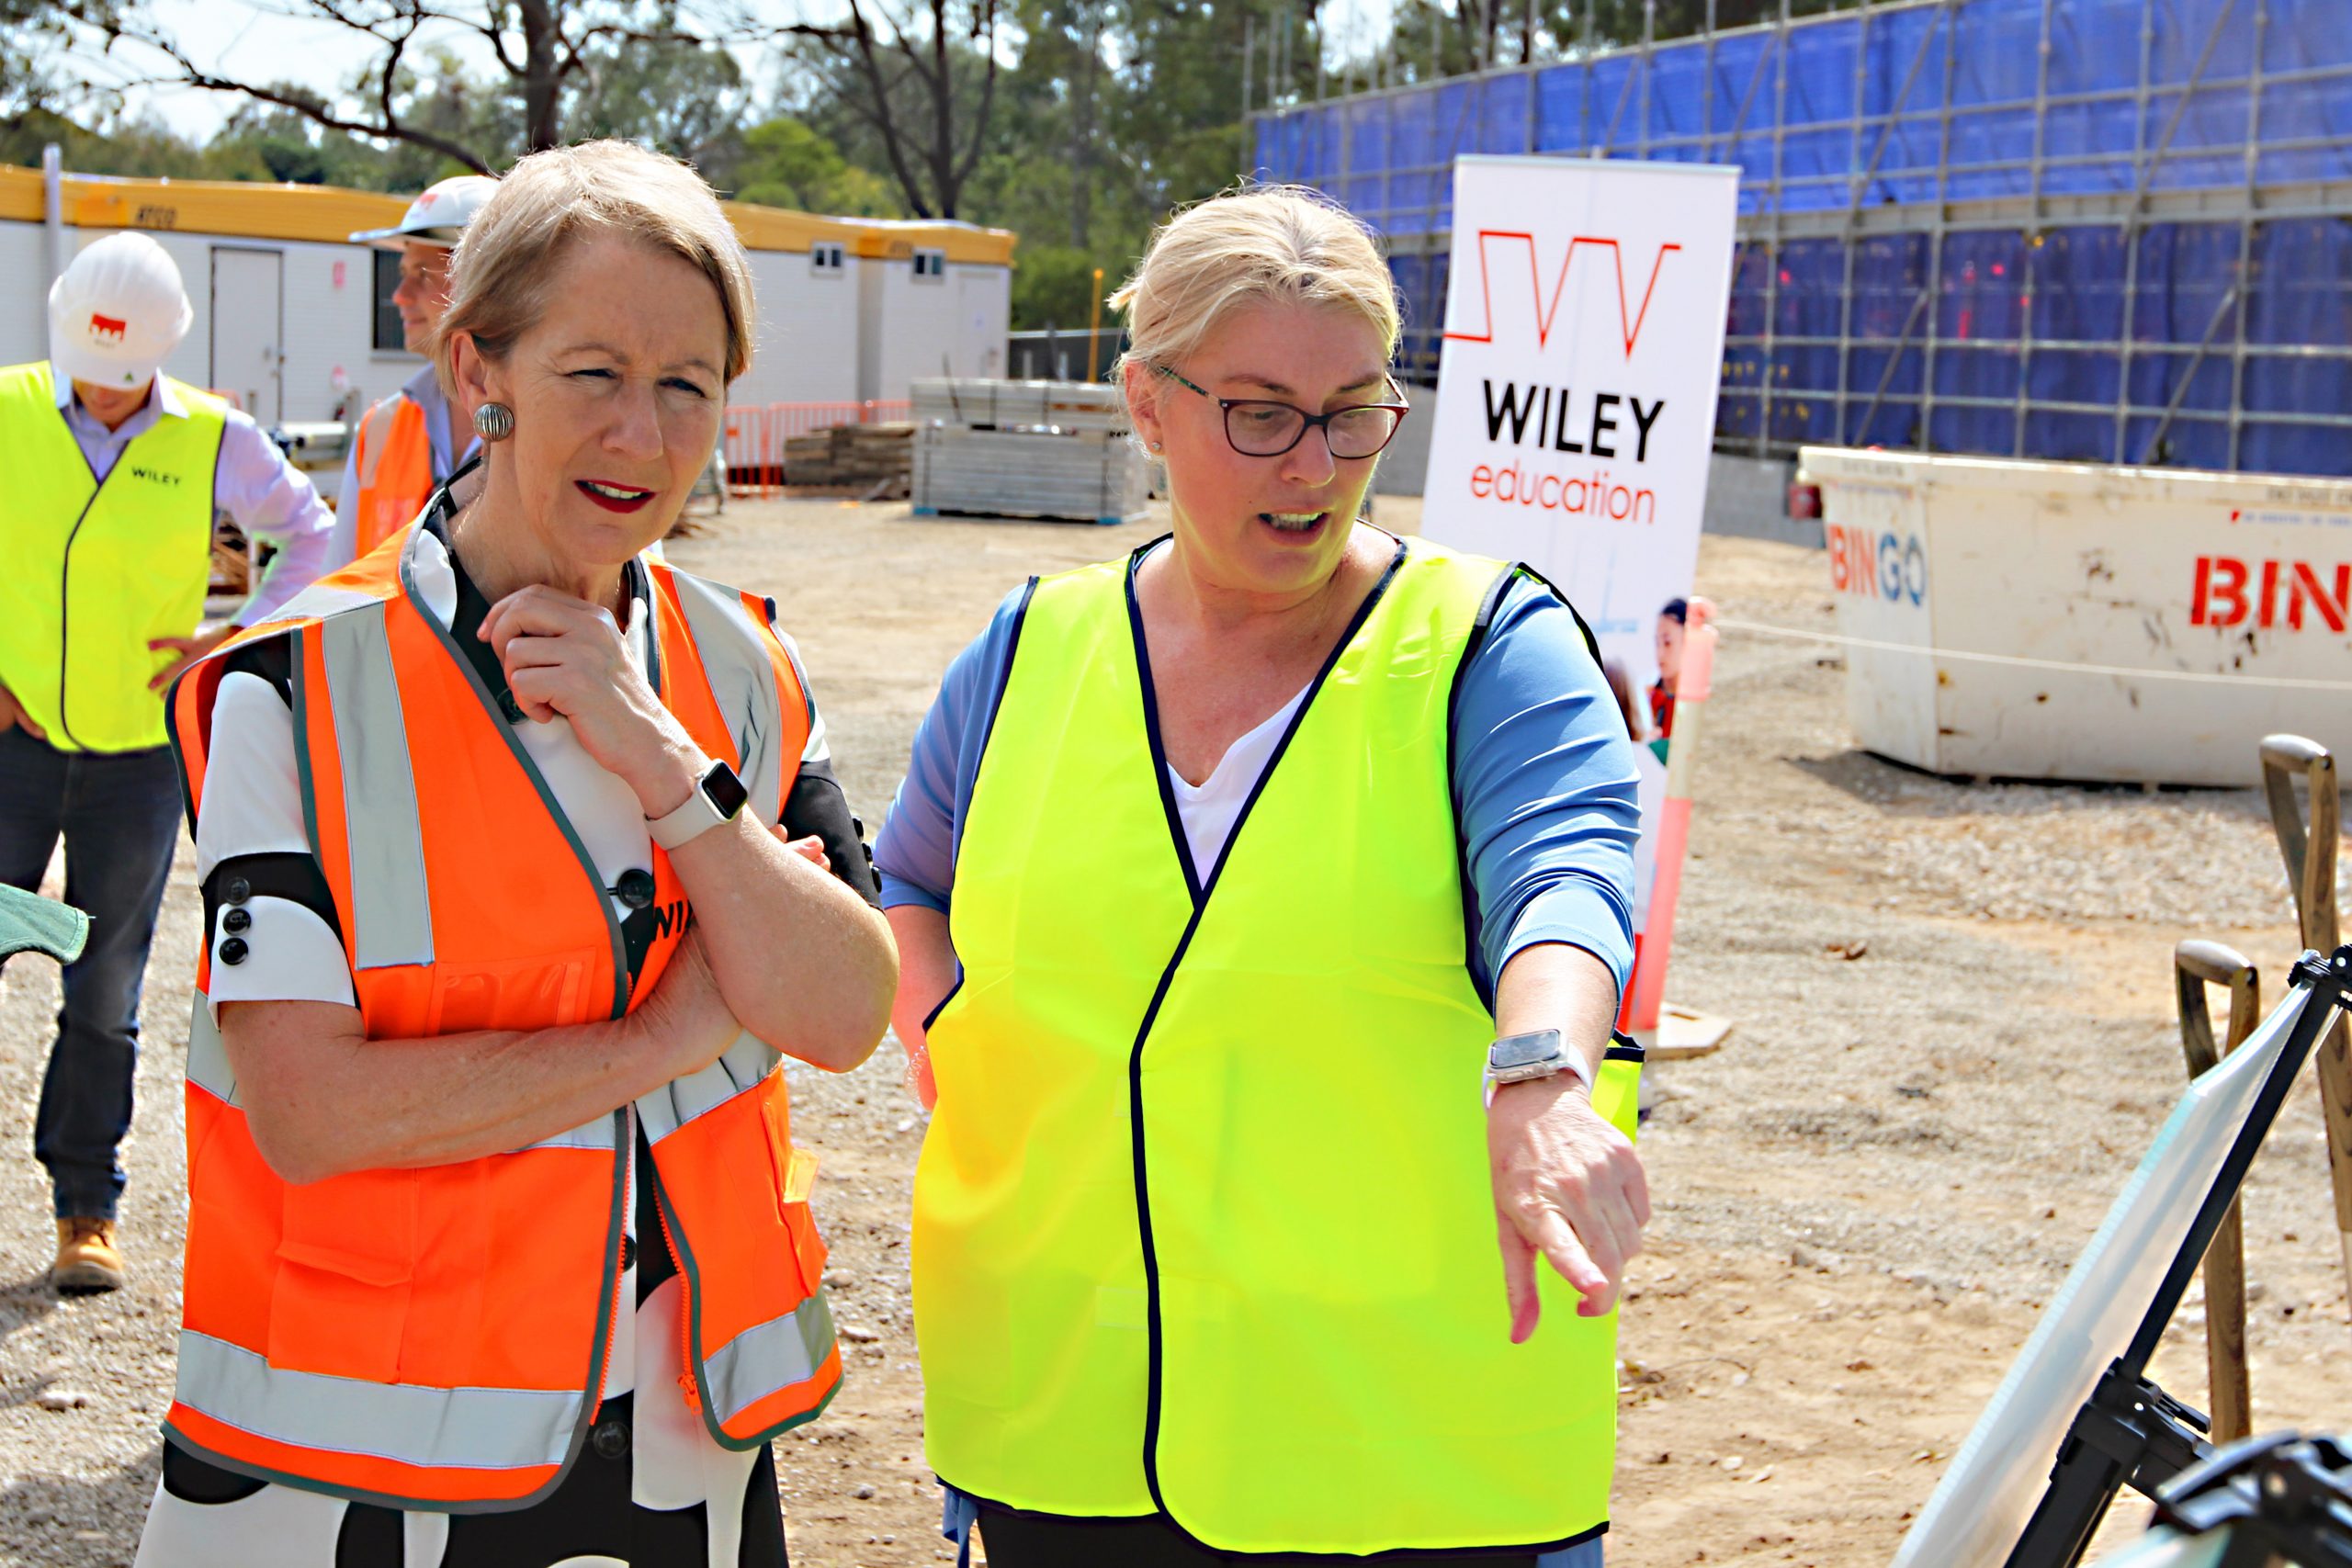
point(310, 105)
point(870, 69)
point(978, 128)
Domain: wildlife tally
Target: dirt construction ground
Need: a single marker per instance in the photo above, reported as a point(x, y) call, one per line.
point(1953, 1039)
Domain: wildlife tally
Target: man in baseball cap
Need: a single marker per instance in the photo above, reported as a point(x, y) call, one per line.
point(403, 447)
point(115, 473)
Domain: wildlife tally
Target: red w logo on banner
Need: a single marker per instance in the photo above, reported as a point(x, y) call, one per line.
point(107, 329)
point(1628, 320)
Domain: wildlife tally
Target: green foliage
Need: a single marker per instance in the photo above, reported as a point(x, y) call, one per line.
point(136, 147)
point(1054, 286)
point(929, 71)
point(786, 164)
point(266, 142)
point(688, 100)
point(1101, 116)
point(31, 31)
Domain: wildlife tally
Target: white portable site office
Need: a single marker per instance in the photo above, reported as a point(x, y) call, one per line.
point(933, 299)
point(297, 322)
point(283, 305)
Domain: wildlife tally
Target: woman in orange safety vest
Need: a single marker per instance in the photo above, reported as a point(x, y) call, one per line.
point(498, 1244)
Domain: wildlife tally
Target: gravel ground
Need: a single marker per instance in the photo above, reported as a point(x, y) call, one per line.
point(1951, 1004)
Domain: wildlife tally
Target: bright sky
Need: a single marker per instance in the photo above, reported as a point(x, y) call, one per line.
point(257, 43)
point(273, 42)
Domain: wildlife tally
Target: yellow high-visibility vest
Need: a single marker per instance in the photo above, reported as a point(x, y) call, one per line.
point(1204, 1221)
point(96, 570)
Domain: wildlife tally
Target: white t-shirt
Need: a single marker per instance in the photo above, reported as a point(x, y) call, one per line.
point(1209, 809)
point(294, 956)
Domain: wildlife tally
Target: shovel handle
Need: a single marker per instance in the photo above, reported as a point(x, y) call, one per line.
point(2196, 965)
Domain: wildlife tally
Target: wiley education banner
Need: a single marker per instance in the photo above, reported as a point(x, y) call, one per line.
point(1584, 338)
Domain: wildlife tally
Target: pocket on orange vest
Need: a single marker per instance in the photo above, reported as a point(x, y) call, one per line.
point(346, 1255)
point(795, 1173)
point(518, 994)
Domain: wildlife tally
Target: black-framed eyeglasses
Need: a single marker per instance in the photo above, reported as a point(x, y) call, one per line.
point(1261, 427)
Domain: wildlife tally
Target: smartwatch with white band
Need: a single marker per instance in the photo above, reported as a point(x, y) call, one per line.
point(717, 795)
point(1538, 1053)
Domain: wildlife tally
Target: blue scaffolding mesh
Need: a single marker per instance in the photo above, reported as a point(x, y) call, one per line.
point(2089, 326)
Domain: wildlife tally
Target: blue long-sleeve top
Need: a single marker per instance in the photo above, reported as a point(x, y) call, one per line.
point(1544, 784)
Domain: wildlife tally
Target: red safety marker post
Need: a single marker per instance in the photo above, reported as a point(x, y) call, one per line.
point(1674, 820)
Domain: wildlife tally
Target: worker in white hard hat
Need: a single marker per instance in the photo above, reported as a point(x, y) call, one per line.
point(403, 447)
point(115, 473)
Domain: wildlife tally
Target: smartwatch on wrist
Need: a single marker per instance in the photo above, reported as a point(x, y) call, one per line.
point(1538, 1053)
point(717, 795)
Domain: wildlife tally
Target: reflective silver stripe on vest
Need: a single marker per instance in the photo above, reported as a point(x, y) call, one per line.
point(468, 1429)
point(735, 657)
point(207, 1056)
point(318, 601)
point(745, 1065)
point(768, 1356)
point(375, 434)
point(391, 910)
point(604, 1133)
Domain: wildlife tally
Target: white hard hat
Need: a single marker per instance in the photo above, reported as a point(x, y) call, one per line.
point(117, 312)
point(438, 216)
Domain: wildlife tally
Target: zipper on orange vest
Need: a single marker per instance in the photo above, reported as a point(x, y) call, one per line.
point(685, 1307)
point(620, 1272)
point(612, 1327)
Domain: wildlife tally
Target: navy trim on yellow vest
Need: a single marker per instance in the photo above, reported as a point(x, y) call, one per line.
point(1169, 815)
point(1591, 643)
point(1473, 919)
point(983, 1506)
point(1194, 884)
point(65, 586)
point(65, 573)
point(1168, 975)
point(988, 732)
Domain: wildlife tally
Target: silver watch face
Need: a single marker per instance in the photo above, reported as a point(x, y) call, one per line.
point(1533, 1049)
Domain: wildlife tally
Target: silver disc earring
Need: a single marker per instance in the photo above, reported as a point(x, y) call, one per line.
point(494, 421)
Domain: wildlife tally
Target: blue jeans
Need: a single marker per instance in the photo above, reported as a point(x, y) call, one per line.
point(119, 813)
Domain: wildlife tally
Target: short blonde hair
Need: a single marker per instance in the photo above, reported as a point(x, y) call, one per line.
point(1268, 243)
point(509, 256)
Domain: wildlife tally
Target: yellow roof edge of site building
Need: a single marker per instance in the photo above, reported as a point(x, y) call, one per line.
point(329, 214)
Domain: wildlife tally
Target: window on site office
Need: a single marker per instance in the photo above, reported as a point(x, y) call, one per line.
point(931, 266)
point(388, 336)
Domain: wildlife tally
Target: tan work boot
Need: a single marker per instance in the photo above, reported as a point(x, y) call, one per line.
point(87, 1260)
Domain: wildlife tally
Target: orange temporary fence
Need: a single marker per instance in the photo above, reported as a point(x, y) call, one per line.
point(756, 433)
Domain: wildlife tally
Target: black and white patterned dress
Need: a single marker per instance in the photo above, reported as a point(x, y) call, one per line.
point(651, 1488)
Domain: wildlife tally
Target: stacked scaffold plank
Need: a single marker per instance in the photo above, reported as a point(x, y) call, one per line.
point(1025, 449)
point(873, 458)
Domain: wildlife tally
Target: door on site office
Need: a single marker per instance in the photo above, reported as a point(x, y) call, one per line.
point(979, 326)
point(248, 329)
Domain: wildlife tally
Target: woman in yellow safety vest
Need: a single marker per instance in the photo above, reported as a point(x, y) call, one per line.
point(498, 1247)
point(1219, 870)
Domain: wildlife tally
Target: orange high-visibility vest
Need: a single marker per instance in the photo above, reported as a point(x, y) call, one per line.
point(436, 1338)
point(394, 468)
